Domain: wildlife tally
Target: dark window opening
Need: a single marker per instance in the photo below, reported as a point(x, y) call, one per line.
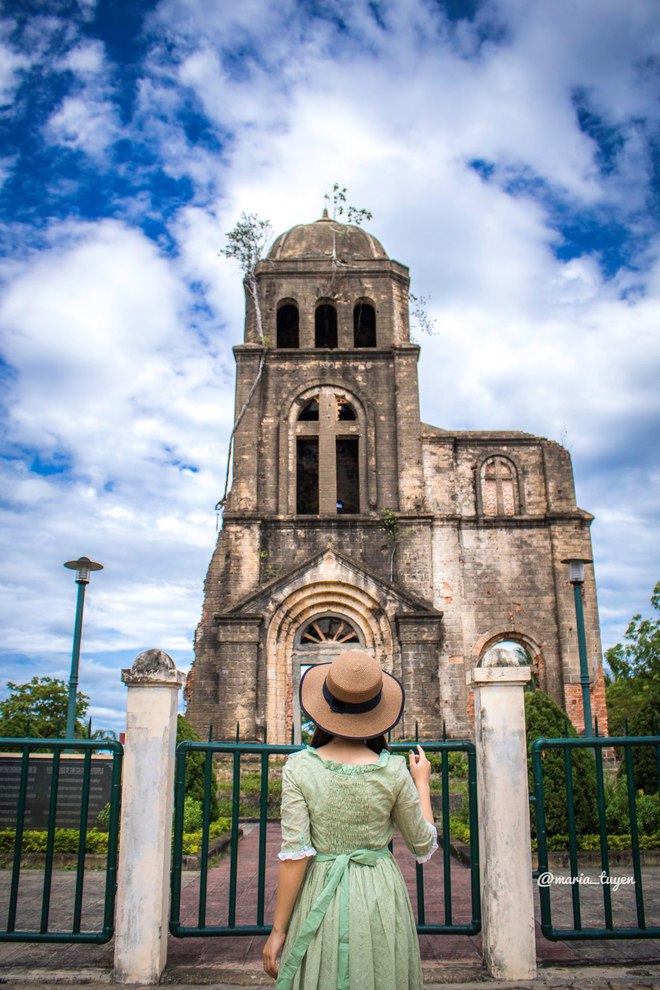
point(287, 326)
point(345, 410)
point(329, 629)
point(348, 476)
point(310, 413)
point(364, 325)
point(307, 476)
point(326, 326)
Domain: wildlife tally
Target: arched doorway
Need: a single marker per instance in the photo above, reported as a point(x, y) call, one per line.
point(319, 640)
point(326, 593)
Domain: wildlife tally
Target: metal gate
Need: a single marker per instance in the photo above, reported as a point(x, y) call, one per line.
point(29, 915)
point(578, 879)
point(261, 755)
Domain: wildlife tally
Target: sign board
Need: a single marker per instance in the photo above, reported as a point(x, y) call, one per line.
point(69, 793)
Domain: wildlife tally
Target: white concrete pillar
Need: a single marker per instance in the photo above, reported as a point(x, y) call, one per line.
point(143, 891)
point(507, 892)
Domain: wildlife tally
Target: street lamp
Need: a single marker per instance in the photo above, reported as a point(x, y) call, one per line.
point(84, 566)
point(576, 577)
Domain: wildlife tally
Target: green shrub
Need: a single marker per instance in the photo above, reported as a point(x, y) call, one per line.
point(103, 818)
point(195, 767)
point(459, 830)
point(591, 842)
point(645, 768)
point(545, 719)
point(193, 816)
point(456, 762)
point(617, 814)
point(65, 841)
point(193, 840)
point(458, 765)
point(650, 841)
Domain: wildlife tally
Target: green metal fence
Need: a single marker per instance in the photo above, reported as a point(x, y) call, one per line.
point(263, 752)
point(578, 879)
point(45, 929)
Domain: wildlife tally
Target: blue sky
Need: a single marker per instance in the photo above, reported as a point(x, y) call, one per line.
point(510, 155)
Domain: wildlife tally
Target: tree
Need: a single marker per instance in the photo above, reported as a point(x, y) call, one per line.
point(38, 709)
point(638, 656)
point(420, 314)
point(633, 694)
point(545, 719)
point(246, 244)
point(195, 768)
point(394, 532)
point(635, 665)
point(341, 207)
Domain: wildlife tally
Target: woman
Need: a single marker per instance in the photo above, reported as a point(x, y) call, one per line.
point(342, 913)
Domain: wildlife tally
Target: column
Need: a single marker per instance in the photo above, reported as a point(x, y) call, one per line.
point(507, 895)
point(143, 890)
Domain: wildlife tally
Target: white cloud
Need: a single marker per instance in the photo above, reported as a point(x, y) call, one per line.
point(109, 380)
point(83, 124)
point(11, 64)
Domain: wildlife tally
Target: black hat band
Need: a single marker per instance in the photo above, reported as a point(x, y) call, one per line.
point(349, 707)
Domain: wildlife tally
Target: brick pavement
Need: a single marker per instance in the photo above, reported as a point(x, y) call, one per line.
point(447, 958)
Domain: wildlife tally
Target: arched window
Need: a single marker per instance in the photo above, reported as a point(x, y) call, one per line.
point(287, 326)
point(328, 629)
point(499, 483)
point(325, 326)
point(327, 455)
point(364, 325)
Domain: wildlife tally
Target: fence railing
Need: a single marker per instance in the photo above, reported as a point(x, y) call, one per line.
point(577, 879)
point(263, 752)
point(19, 925)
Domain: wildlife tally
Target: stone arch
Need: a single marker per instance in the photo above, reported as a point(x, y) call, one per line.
point(357, 605)
point(516, 481)
point(503, 634)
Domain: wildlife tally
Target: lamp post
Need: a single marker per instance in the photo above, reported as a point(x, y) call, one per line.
point(84, 566)
point(576, 577)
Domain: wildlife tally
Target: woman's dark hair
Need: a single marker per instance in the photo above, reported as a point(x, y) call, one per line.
point(321, 737)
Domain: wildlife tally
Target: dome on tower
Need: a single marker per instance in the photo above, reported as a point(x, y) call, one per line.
point(325, 239)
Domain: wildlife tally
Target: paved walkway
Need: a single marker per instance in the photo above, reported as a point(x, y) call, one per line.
point(454, 959)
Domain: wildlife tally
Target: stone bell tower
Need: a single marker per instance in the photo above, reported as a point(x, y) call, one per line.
point(329, 439)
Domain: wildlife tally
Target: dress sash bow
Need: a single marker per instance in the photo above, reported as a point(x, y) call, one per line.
point(337, 875)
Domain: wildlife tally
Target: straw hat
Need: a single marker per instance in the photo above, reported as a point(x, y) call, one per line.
point(352, 697)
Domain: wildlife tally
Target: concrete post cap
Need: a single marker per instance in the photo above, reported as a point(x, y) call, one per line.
point(499, 656)
point(151, 668)
point(517, 676)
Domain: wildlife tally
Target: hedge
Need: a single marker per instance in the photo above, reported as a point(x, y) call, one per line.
point(66, 839)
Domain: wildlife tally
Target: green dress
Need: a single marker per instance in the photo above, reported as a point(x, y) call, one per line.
point(364, 935)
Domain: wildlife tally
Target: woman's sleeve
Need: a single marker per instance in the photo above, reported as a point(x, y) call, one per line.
point(296, 839)
point(420, 836)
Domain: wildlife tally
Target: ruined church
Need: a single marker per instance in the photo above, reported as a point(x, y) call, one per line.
point(352, 524)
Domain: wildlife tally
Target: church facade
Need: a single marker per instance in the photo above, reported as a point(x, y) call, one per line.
point(352, 524)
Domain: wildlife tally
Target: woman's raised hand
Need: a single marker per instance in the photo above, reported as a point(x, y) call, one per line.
point(420, 768)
